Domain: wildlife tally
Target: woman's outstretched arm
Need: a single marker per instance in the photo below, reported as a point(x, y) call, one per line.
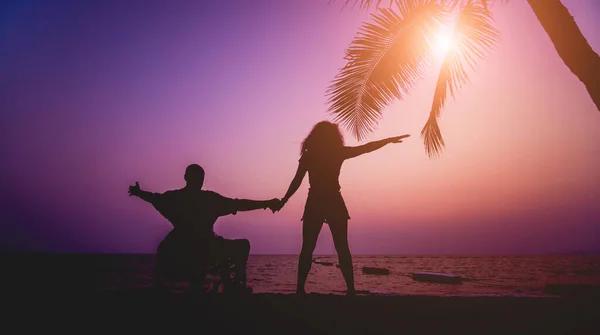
point(351, 152)
point(295, 184)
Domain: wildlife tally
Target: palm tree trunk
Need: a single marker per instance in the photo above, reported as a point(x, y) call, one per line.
point(569, 42)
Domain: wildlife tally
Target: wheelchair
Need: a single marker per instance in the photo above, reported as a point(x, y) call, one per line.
point(181, 269)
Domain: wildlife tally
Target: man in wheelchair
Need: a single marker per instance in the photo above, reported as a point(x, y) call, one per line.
point(192, 246)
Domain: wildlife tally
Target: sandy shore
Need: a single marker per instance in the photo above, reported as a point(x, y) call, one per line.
point(144, 310)
point(59, 295)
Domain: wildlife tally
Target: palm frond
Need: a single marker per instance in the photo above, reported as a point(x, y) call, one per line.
point(365, 4)
point(456, 4)
point(453, 4)
point(474, 35)
point(384, 61)
point(369, 4)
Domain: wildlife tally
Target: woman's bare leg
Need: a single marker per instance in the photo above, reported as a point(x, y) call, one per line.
point(310, 234)
point(339, 232)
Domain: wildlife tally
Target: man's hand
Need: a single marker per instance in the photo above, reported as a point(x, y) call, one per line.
point(135, 189)
point(279, 205)
point(274, 205)
point(397, 139)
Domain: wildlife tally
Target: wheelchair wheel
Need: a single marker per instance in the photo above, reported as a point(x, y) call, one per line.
point(179, 278)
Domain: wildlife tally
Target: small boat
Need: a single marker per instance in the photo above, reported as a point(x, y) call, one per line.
point(375, 271)
point(435, 277)
point(316, 261)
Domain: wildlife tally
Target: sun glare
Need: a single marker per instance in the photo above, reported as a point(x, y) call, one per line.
point(442, 43)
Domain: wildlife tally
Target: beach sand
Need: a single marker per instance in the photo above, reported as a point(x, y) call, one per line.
point(54, 295)
point(145, 310)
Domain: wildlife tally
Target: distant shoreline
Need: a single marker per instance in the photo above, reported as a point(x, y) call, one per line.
point(591, 253)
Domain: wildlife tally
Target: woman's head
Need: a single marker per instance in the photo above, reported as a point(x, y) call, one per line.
point(324, 135)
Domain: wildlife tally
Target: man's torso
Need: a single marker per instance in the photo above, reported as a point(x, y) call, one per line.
point(193, 211)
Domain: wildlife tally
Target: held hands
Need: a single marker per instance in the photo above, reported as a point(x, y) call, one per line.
point(135, 189)
point(397, 139)
point(275, 204)
point(281, 204)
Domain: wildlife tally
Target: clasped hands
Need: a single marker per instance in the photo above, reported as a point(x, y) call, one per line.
point(275, 204)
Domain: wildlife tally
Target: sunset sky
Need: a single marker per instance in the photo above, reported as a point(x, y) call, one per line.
point(96, 95)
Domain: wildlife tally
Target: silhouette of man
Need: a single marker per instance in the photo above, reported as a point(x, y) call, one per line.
point(193, 213)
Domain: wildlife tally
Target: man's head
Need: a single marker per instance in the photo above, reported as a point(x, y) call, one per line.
point(194, 176)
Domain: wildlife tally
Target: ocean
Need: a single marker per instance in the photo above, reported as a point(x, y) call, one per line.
point(482, 275)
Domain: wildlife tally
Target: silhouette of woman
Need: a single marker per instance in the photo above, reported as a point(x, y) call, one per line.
point(322, 154)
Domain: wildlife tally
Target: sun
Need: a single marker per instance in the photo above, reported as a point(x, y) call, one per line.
point(442, 43)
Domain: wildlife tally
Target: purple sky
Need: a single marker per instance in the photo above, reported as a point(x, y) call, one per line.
point(95, 95)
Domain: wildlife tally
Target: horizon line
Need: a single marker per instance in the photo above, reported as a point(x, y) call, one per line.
point(582, 253)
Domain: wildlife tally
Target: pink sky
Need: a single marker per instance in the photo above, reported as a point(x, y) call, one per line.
point(142, 93)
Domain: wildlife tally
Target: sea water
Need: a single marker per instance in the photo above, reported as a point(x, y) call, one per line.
point(482, 275)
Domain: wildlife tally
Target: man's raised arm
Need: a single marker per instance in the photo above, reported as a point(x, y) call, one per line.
point(144, 195)
point(250, 205)
point(228, 206)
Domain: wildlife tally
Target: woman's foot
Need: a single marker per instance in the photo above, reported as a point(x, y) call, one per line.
point(300, 292)
point(351, 292)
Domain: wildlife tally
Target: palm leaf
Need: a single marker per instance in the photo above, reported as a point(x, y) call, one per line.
point(368, 4)
point(474, 34)
point(385, 60)
point(365, 4)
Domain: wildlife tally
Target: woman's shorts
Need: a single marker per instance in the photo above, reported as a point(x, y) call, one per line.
point(325, 207)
